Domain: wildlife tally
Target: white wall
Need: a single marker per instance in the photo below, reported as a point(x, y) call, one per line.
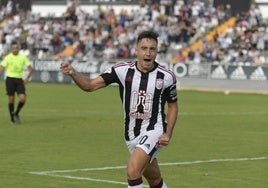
point(264, 10)
point(59, 10)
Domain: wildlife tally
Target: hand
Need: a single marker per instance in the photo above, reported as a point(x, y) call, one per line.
point(164, 139)
point(26, 81)
point(66, 69)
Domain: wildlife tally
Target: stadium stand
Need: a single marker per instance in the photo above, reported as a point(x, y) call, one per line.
point(202, 32)
point(198, 45)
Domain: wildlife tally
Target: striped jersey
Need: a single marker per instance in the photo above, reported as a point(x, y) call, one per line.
point(143, 95)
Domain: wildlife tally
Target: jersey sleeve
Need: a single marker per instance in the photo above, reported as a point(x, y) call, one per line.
point(170, 92)
point(4, 62)
point(26, 61)
point(109, 76)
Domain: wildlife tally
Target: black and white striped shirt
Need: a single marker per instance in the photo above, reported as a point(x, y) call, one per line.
point(143, 95)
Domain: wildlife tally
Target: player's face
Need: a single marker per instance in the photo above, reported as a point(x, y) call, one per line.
point(146, 51)
point(15, 49)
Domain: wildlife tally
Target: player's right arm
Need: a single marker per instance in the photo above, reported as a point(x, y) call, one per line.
point(83, 82)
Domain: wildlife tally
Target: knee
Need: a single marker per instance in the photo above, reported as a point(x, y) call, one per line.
point(153, 175)
point(22, 98)
point(132, 171)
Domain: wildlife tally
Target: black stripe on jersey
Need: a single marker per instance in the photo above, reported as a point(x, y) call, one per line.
point(143, 88)
point(155, 107)
point(128, 85)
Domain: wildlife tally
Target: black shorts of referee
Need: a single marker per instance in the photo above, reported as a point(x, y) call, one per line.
point(15, 85)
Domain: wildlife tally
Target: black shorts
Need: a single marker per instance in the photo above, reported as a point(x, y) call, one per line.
point(14, 85)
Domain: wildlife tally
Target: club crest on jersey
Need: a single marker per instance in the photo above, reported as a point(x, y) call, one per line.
point(159, 83)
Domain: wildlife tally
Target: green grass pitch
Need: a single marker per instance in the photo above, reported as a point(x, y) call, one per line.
point(68, 136)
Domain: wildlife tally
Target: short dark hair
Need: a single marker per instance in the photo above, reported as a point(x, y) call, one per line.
point(14, 43)
point(148, 34)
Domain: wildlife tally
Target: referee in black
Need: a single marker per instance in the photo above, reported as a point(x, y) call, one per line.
point(13, 64)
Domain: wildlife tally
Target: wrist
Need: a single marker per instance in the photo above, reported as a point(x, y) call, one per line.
point(169, 134)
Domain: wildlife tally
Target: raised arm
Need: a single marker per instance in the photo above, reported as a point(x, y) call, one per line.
point(83, 82)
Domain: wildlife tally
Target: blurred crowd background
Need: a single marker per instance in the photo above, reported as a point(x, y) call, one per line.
point(104, 33)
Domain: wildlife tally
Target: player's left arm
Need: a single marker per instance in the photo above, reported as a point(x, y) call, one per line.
point(172, 114)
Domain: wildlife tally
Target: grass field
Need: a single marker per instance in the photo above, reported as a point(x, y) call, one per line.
point(72, 139)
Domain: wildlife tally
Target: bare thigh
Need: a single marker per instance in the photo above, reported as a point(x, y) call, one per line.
point(137, 163)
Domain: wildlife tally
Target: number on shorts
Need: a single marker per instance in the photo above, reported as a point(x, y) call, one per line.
point(143, 139)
